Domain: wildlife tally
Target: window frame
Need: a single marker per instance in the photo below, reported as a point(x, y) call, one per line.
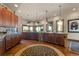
point(62, 26)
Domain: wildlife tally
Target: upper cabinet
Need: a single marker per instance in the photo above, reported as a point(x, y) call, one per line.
point(14, 20)
point(0, 16)
point(7, 18)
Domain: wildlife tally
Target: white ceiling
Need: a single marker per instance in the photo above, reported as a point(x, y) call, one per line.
point(37, 11)
point(11, 6)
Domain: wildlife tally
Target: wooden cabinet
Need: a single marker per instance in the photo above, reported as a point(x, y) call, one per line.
point(14, 20)
point(2, 45)
point(30, 36)
point(55, 38)
point(0, 16)
point(60, 39)
point(8, 42)
point(52, 38)
point(11, 40)
point(49, 37)
point(7, 18)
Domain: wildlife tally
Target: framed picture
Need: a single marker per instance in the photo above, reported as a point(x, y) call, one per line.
point(73, 26)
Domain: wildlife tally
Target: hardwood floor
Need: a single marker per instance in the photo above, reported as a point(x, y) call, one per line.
point(25, 43)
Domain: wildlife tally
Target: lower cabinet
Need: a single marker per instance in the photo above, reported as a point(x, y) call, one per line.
point(45, 37)
point(60, 39)
point(30, 36)
point(55, 38)
point(8, 42)
point(11, 40)
point(2, 46)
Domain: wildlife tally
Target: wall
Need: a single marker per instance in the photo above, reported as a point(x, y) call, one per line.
point(73, 15)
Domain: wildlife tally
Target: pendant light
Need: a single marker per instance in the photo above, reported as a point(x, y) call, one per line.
point(60, 16)
point(60, 21)
point(46, 16)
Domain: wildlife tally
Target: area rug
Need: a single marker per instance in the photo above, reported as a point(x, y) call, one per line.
point(39, 50)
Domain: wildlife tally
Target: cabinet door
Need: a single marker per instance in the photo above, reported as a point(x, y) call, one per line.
point(9, 21)
point(14, 20)
point(51, 38)
point(45, 37)
point(0, 16)
point(8, 42)
point(2, 46)
point(60, 39)
point(6, 17)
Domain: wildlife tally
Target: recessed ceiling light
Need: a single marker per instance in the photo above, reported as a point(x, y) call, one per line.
point(15, 5)
point(73, 9)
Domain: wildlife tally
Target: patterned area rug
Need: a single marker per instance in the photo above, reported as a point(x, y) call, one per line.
point(39, 50)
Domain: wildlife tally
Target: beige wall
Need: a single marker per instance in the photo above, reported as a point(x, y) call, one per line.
point(73, 15)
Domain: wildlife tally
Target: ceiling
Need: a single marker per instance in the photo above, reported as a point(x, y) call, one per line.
point(37, 11)
point(11, 6)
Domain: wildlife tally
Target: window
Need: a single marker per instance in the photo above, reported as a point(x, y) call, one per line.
point(25, 28)
point(31, 28)
point(39, 28)
point(59, 25)
point(49, 27)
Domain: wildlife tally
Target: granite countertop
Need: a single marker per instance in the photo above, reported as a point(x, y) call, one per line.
point(73, 40)
point(2, 36)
